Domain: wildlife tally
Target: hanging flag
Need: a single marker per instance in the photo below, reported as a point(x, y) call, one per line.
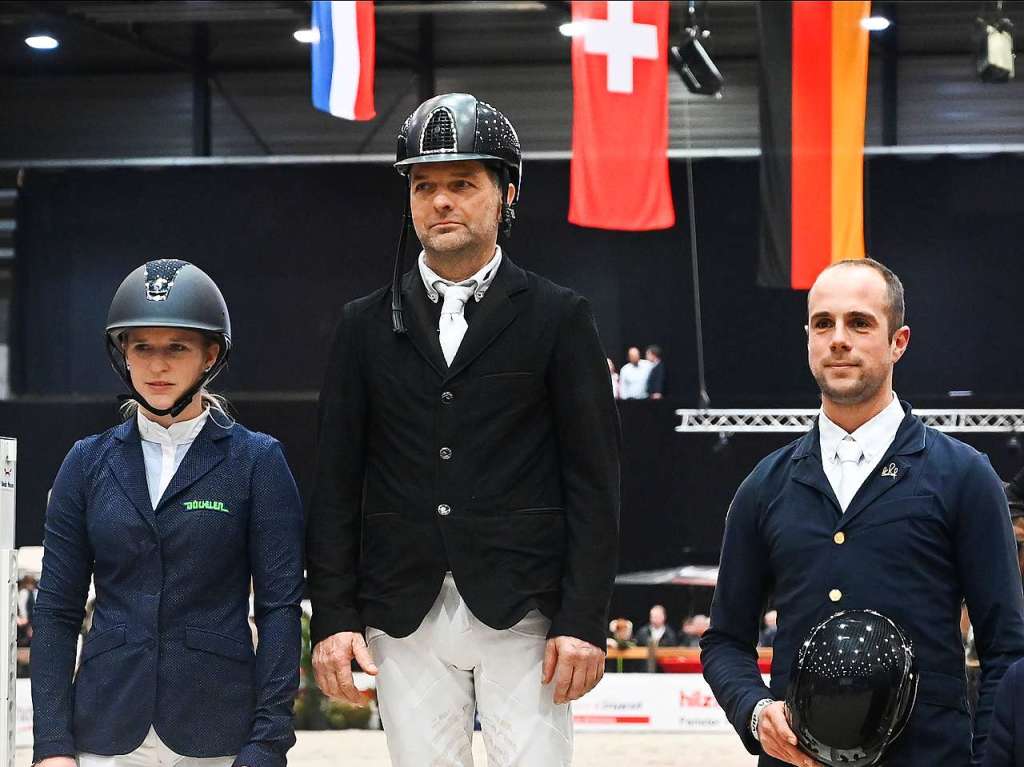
point(813, 94)
point(343, 58)
point(619, 170)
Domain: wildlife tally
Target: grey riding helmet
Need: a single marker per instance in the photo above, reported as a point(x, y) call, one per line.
point(168, 293)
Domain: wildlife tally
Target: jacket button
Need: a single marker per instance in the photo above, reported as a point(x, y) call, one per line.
point(835, 595)
point(839, 538)
point(444, 509)
point(447, 396)
point(445, 453)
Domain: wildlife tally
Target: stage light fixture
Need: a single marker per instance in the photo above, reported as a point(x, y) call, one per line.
point(692, 62)
point(571, 28)
point(307, 36)
point(875, 23)
point(995, 50)
point(42, 42)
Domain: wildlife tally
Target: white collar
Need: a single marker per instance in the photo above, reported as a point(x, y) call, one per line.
point(480, 281)
point(874, 436)
point(179, 432)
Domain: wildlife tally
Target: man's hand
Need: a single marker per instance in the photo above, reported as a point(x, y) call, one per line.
point(777, 739)
point(575, 665)
point(332, 665)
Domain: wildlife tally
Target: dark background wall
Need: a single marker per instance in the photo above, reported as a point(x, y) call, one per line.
point(289, 244)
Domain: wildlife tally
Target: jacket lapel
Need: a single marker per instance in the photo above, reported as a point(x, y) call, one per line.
point(892, 469)
point(421, 322)
point(495, 313)
point(128, 468)
point(808, 470)
point(206, 452)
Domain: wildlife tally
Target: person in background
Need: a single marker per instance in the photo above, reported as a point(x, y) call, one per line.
point(657, 632)
point(633, 376)
point(656, 376)
point(771, 627)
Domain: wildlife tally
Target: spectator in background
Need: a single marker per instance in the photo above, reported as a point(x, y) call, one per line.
point(771, 620)
point(27, 588)
point(621, 634)
point(633, 376)
point(693, 630)
point(657, 631)
point(615, 378)
point(656, 376)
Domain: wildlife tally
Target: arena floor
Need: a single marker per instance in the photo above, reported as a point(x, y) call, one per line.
point(361, 748)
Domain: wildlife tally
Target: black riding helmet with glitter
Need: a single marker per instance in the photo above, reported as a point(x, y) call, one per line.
point(449, 128)
point(852, 688)
point(168, 293)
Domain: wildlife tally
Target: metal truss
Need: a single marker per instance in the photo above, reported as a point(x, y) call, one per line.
point(800, 420)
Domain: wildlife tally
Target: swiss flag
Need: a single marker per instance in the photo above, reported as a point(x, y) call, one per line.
point(619, 174)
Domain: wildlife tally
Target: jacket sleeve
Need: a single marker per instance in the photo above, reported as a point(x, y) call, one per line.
point(275, 550)
point(729, 646)
point(333, 529)
point(988, 569)
point(999, 751)
point(60, 607)
point(589, 438)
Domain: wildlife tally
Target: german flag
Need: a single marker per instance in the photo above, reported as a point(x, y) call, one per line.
point(813, 96)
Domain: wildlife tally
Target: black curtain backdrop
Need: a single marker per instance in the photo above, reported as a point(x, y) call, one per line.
point(290, 244)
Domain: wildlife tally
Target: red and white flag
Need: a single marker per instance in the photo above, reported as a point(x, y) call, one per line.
point(619, 172)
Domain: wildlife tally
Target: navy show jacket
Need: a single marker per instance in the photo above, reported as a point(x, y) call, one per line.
point(929, 528)
point(170, 644)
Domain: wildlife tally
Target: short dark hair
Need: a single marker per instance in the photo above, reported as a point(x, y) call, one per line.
point(895, 309)
point(655, 350)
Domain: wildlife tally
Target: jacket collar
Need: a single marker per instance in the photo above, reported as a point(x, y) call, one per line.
point(496, 312)
point(129, 469)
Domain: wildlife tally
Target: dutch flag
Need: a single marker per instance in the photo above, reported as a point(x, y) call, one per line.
point(343, 58)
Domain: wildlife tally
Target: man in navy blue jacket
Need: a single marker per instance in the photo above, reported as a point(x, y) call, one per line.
point(1006, 738)
point(870, 509)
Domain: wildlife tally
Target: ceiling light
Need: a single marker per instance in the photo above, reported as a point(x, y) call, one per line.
point(875, 23)
point(41, 42)
point(307, 35)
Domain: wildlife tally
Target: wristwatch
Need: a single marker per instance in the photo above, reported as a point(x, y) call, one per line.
point(755, 718)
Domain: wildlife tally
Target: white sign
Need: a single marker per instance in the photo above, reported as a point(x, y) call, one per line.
point(650, 703)
point(621, 41)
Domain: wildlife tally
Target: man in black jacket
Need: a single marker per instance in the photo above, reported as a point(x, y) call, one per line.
point(465, 515)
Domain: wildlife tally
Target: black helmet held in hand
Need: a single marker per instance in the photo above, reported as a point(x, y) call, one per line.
point(168, 293)
point(852, 688)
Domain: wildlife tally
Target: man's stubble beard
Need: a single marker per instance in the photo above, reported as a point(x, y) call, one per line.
point(866, 388)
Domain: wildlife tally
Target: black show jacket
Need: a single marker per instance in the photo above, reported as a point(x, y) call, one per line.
point(503, 468)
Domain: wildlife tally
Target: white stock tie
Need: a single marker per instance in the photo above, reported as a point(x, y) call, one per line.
point(452, 326)
point(849, 453)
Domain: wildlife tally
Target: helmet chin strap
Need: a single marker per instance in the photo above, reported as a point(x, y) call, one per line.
point(182, 402)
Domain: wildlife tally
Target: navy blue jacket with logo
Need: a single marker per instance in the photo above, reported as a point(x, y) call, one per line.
point(929, 528)
point(170, 644)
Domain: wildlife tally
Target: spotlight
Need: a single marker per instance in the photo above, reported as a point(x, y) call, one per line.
point(307, 35)
point(995, 50)
point(875, 23)
point(692, 63)
point(42, 42)
point(571, 28)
